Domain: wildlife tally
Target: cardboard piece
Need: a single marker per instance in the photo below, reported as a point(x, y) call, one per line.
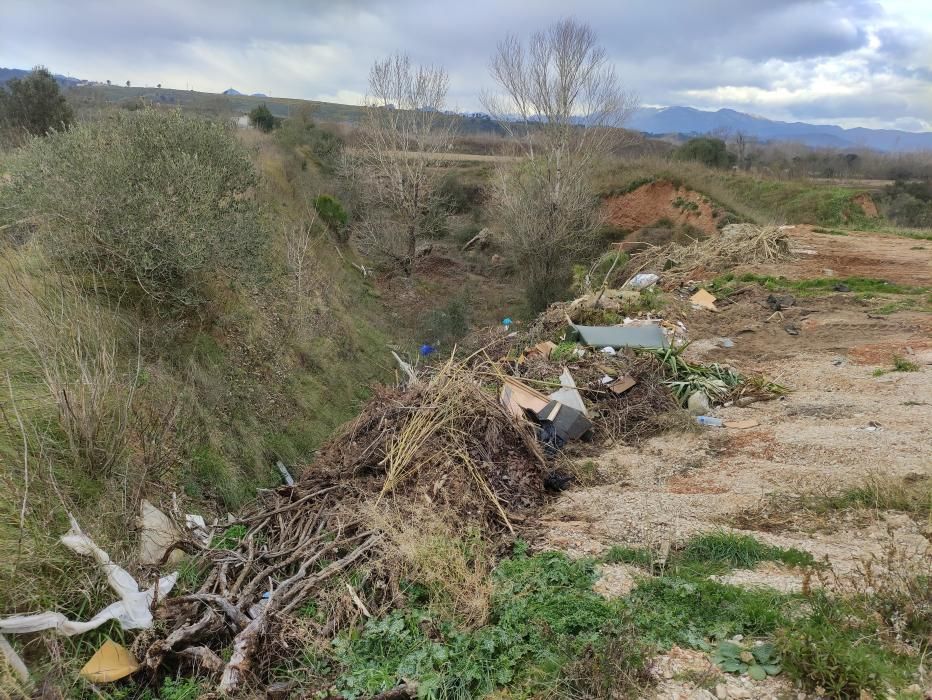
point(544, 348)
point(704, 300)
point(517, 396)
point(568, 423)
point(623, 336)
point(157, 533)
point(622, 384)
point(741, 424)
point(110, 663)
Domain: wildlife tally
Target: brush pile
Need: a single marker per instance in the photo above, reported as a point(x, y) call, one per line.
point(444, 442)
point(736, 244)
point(448, 443)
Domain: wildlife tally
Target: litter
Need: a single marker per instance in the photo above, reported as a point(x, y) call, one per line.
point(517, 396)
point(132, 611)
point(642, 280)
point(703, 300)
point(792, 328)
point(507, 322)
point(622, 384)
point(544, 349)
point(631, 336)
point(608, 350)
point(157, 533)
point(286, 475)
point(698, 403)
point(568, 423)
point(726, 342)
point(110, 663)
point(741, 424)
point(406, 368)
point(709, 421)
point(426, 349)
point(13, 660)
point(568, 394)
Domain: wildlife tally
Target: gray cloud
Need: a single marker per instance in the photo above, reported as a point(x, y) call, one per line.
point(780, 58)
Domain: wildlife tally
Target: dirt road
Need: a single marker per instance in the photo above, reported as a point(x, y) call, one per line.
point(840, 425)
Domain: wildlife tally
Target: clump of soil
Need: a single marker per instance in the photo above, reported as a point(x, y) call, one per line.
point(662, 200)
point(866, 202)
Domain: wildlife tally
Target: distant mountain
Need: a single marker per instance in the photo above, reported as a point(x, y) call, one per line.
point(10, 73)
point(258, 94)
point(231, 91)
point(690, 122)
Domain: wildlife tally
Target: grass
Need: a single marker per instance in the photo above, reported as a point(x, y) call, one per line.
point(835, 648)
point(546, 627)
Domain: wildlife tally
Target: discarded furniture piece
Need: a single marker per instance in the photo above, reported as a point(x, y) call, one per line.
point(623, 336)
point(568, 423)
point(517, 396)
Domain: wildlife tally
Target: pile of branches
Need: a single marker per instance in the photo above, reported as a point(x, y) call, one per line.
point(444, 441)
point(735, 244)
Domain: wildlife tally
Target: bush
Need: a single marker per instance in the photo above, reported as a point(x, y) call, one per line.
point(155, 204)
point(262, 118)
point(332, 213)
point(34, 104)
point(708, 151)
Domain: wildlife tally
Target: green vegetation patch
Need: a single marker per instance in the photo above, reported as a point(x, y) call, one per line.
point(546, 621)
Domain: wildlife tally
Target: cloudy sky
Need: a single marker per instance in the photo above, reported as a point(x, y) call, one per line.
point(848, 62)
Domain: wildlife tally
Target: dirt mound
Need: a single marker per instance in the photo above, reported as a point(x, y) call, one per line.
point(659, 200)
point(867, 205)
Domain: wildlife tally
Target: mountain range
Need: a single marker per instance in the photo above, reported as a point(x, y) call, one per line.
point(688, 121)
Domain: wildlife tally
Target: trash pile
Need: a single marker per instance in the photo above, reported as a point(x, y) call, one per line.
point(480, 439)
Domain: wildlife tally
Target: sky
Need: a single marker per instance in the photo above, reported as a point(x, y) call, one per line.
point(847, 62)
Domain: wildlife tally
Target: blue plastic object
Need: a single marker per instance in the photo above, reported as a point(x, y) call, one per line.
point(506, 321)
point(427, 349)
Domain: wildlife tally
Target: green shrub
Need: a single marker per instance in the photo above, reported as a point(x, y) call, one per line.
point(262, 118)
point(34, 104)
point(157, 204)
point(332, 213)
point(837, 651)
point(708, 151)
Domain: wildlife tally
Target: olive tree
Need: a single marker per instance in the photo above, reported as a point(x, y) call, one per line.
point(157, 205)
point(403, 138)
point(34, 104)
point(569, 107)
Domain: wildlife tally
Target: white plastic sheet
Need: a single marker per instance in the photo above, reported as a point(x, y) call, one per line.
point(132, 611)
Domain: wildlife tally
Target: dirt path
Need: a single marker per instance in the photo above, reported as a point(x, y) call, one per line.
point(840, 425)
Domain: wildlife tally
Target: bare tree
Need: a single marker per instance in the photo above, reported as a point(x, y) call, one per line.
point(570, 108)
point(405, 134)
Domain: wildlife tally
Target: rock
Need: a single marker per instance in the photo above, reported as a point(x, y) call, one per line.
point(698, 404)
point(615, 580)
point(842, 287)
point(792, 328)
point(721, 691)
point(778, 302)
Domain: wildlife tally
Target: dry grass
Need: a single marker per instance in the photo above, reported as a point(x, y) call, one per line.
point(736, 244)
point(452, 565)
